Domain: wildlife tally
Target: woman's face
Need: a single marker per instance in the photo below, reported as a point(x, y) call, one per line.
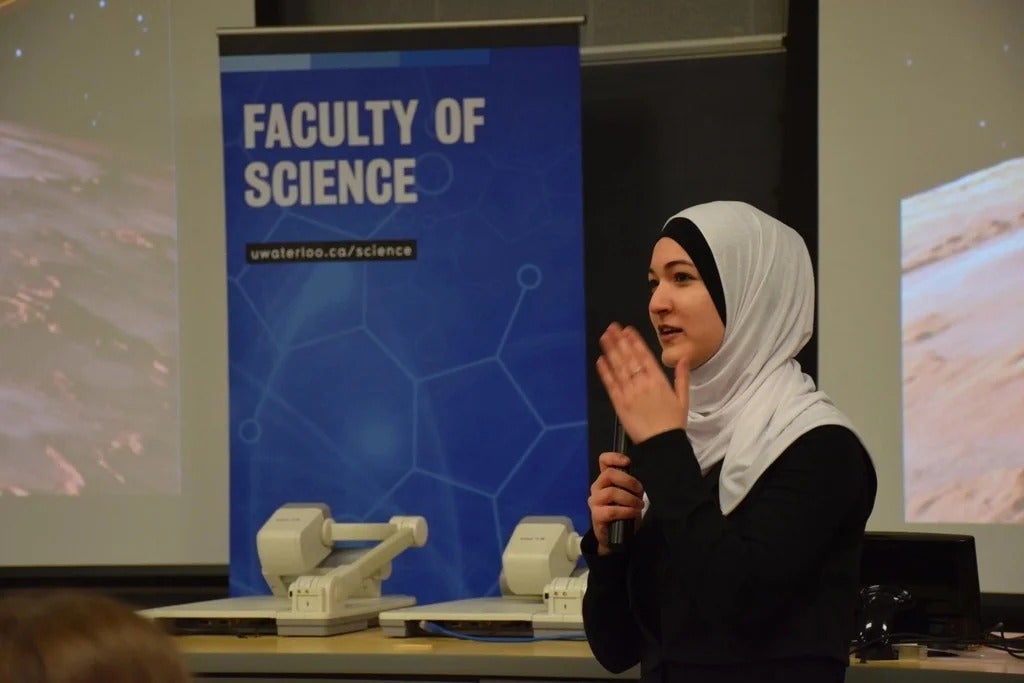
point(681, 309)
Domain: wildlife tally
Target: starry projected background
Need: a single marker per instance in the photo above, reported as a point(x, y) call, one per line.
point(450, 386)
point(920, 259)
point(962, 283)
point(88, 290)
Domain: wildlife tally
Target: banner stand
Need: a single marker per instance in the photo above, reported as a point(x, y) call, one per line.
point(405, 285)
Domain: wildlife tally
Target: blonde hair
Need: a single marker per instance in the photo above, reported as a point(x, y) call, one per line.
point(82, 637)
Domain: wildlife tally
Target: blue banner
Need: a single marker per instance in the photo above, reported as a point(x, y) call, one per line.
point(405, 298)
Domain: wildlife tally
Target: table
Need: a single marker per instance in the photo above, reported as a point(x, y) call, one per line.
point(370, 653)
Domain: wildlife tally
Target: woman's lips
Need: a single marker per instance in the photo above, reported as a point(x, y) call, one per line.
point(668, 336)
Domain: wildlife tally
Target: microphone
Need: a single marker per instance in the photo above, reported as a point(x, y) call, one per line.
point(620, 531)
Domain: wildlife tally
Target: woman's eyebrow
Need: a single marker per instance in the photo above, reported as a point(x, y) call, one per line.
point(679, 262)
point(672, 264)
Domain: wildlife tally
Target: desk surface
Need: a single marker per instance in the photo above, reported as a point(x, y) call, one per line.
point(370, 653)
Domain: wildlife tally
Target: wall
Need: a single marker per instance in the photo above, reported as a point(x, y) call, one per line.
point(608, 22)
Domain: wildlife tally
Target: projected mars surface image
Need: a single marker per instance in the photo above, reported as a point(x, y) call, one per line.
point(963, 348)
point(88, 290)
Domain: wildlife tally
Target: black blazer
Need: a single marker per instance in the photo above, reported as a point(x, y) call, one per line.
point(766, 593)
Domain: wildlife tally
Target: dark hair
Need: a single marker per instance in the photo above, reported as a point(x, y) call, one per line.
point(82, 637)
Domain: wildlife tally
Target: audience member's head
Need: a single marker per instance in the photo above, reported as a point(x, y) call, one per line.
point(82, 637)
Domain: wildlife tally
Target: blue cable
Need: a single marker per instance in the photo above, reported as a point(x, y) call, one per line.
point(437, 629)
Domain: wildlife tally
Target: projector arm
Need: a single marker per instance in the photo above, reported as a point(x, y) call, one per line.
point(540, 561)
point(541, 550)
point(298, 538)
point(362, 578)
point(292, 543)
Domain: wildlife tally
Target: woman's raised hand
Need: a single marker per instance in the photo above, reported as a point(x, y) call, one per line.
point(639, 391)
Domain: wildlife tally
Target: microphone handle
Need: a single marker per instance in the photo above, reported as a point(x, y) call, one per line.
point(620, 531)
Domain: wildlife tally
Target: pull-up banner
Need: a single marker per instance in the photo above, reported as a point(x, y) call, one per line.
point(405, 286)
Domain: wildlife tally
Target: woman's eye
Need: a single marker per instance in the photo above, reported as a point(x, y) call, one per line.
point(682, 277)
point(651, 284)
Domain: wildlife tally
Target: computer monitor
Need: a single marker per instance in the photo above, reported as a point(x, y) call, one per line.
point(940, 574)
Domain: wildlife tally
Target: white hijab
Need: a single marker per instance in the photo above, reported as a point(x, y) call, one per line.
point(751, 400)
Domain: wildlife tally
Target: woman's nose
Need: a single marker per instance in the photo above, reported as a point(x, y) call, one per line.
point(659, 303)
